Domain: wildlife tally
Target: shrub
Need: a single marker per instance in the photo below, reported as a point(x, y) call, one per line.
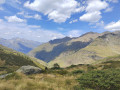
point(72, 66)
point(53, 71)
point(90, 67)
point(56, 66)
point(77, 72)
point(62, 72)
point(101, 80)
point(112, 64)
point(78, 87)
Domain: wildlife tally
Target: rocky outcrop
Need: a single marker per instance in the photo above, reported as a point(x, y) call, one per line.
point(29, 70)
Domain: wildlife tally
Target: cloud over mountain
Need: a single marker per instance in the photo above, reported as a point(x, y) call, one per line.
point(30, 32)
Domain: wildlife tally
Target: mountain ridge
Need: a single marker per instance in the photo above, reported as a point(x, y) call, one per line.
point(70, 45)
point(19, 44)
point(104, 46)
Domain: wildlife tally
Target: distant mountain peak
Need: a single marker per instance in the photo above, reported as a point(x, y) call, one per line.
point(19, 44)
point(55, 41)
point(88, 33)
point(108, 34)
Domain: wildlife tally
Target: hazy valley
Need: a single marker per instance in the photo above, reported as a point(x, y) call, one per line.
point(19, 44)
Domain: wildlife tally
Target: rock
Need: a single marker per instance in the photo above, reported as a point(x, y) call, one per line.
point(29, 70)
point(4, 75)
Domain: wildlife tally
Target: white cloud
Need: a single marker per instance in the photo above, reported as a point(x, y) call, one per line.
point(91, 17)
point(18, 1)
point(14, 19)
point(74, 33)
point(57, 10)
point(21, 13)
point(30, 32)
point(26, 15)
point(114, 1)
point(96, 5)
point(36, 16)
point(1, 20)
point(2, 1)
point(113, 26)
point(99, 24)
point(93, 10)
point(1, 8)
point(73, 21)
point(109, 9)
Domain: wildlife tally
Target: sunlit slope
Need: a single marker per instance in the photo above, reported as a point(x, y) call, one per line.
point(62, 47)
point(104, 46)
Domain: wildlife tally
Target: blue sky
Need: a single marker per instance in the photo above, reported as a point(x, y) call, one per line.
point(43, 20)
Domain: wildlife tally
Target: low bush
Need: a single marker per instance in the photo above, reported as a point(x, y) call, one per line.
point(101, 80)
point(77, 72)
point(53, 71)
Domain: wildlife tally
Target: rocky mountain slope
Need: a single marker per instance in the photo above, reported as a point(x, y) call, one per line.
point(85, 49)
point(20, 45)
point(103, 46)
point(62, 47)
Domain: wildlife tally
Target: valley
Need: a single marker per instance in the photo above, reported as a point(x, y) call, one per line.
point(64, 64)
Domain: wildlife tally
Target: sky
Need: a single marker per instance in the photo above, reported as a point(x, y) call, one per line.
point(44, 20)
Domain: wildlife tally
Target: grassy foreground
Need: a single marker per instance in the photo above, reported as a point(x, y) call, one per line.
point(104, 76)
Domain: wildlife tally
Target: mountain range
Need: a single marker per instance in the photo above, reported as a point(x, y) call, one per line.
point(89, 48)
point(86, 49)
point(19, 44)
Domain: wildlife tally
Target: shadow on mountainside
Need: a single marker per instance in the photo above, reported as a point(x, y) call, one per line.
point(48, 56)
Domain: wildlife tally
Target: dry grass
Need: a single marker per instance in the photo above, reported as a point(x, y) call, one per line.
point(39, 82)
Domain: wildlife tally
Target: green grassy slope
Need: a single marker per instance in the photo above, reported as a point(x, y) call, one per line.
point(11, 60)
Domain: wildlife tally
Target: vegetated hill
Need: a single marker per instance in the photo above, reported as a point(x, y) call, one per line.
point(62, 47)
point(11, 60)
point(106, 45)
point(19, 44)
point(111, 62)
point(74, 77)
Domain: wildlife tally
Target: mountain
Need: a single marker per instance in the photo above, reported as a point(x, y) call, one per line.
point(20, 45)
point(102, 47)
point(86, 49)
point(11, 60)
point(62, 47)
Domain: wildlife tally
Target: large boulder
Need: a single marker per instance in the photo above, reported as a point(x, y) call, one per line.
point(29, 70)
